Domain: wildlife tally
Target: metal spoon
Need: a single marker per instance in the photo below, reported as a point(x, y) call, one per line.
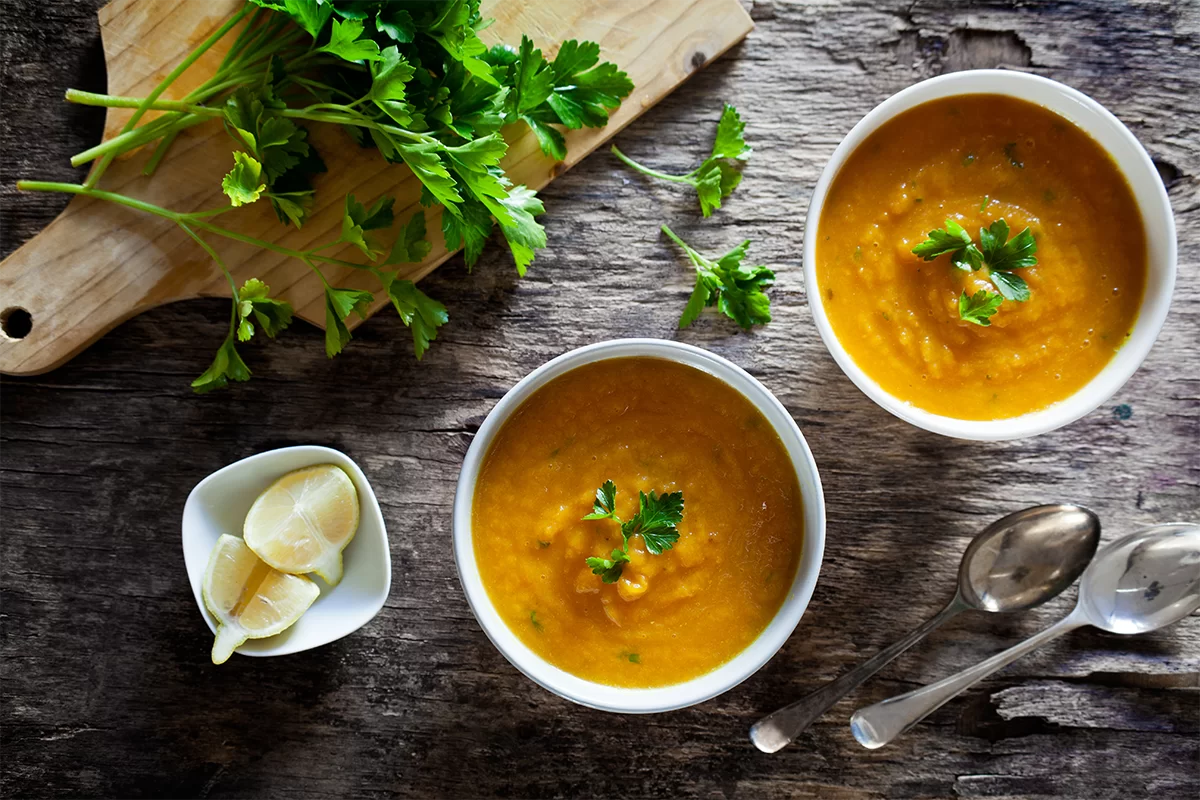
point(1017, 562)
point(1145, 581)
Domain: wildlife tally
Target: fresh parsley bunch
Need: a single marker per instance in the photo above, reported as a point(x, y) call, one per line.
point(410, 78)
point(1002, 257)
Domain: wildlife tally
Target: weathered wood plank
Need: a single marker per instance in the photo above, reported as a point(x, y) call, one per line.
point(105, 684)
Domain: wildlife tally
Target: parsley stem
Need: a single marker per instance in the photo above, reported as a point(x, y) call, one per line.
point(136, 138)
point(192, 218)
point(692, 254)
point(117, 101)
point(651, 172)
point(191, 58)
point(194, 114)
point(244, 36)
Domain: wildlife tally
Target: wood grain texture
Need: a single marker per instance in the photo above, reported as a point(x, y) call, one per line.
point(98, 263)
point(105, 685)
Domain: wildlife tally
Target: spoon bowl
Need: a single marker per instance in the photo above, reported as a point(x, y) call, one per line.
point(1028, 557)
point(1144, 581)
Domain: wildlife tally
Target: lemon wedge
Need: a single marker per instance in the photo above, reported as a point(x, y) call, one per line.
point(304, 520)
point(250, 599)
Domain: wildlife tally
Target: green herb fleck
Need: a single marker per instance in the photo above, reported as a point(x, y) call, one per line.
point(968, 159)
point(543, 545)
point(983, 206)
point(537, 625)
point(634, 658)
point(656, 521)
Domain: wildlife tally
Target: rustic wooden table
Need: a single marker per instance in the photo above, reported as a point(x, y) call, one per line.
point(107, 687)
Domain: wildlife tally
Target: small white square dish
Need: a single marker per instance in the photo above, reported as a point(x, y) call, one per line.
point(219, 504)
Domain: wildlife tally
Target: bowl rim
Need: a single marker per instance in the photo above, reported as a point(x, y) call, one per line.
point(724, 677)
point(368, 508)
point(1161, 272)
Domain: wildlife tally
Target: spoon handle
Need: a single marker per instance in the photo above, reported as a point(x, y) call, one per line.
point(774, 731)
point(875, 726)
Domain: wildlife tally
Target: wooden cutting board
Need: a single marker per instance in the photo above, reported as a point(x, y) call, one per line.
point(99, 264)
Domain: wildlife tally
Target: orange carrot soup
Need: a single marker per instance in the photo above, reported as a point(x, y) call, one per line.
point(1016, 321)
point(689, 443)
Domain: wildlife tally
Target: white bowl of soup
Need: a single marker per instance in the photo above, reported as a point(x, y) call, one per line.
point(703, 461)
point(948, 342)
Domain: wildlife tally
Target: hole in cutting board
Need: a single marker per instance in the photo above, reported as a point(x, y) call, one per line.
point(16, 322)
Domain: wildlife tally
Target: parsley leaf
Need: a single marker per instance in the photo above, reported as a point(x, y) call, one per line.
point(1012, 287)
point(272, 315)
point(955, 240)
point(454, 30)
point(1002, 253)
point(532, 79)
point(421, 313)
point(424, 161)
point(583, 93)
point(720, 173)
point(396, 23)
point(358, 219)
point(344, 41)
point(389, 78)
point(609, 569)
point(338, 305)
point(469, 230)
point(950, 239)
point(737, 290)
point(656, 522)
point(227, 366)
point(243, 184)
point(606, 502)
point(525, 235)
point(979, 307)
point(411, 246)
point(280, 147)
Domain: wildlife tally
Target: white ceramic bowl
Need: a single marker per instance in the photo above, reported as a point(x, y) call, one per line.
point(1148, 191)
point(219, 504)
point(728, 675)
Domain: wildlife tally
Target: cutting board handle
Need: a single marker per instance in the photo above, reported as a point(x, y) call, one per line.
point(93, 267)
